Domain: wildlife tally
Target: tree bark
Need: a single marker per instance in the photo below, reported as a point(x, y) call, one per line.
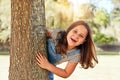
point(27, 38)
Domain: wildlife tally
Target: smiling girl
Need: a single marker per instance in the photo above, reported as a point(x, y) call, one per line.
point(74, 45)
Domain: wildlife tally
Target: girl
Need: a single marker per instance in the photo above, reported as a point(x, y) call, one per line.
point(74, 45)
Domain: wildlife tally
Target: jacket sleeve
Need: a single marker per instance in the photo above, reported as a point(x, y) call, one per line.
point(53, 56)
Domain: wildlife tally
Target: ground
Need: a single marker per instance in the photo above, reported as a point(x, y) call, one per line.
point(107, 69)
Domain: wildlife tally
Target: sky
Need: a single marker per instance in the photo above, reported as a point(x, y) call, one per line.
point(107, 4)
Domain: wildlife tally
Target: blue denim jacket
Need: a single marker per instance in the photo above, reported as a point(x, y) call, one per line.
point(53, 56)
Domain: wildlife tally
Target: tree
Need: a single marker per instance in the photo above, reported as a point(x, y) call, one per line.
point(102, 18)
point(27, 38)
point(4, 21)
point(86, 11)
point(115, 14)
point(59, 14)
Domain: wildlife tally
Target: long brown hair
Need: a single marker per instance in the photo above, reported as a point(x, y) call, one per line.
point(88, 56)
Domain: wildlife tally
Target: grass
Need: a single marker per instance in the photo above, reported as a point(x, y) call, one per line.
point(4, 53)
point(108, 53)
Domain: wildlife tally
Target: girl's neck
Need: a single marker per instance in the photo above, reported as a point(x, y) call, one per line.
point(70, 48)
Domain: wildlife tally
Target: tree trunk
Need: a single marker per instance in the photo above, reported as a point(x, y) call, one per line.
point(27, 38)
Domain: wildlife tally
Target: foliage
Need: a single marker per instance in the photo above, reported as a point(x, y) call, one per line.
point(64, 14)
point(86, 11)
point(115, 16)
point(59, 14)
point(101, 38)
point(4, 20)
point(101, 19)
point(116, 1)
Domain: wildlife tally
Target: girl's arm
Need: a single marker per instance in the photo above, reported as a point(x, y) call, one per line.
point(43, 63)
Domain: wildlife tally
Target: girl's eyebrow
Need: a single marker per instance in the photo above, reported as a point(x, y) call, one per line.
point(80, 33)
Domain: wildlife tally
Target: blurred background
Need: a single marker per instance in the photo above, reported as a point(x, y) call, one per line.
point(103, 17)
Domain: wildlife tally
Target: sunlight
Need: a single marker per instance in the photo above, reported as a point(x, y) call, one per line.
point(100, 4)
point(78, 1)
point(76, 5)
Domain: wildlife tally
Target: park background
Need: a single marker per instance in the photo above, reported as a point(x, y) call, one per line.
point(102, 15)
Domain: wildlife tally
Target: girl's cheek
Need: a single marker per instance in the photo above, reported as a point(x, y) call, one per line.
point(83, 41)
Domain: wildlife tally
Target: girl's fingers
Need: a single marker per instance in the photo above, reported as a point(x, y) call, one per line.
point(40, 57)
point(39, 64)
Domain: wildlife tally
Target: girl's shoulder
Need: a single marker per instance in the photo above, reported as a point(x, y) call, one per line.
point(55, 33)
point(73, 52)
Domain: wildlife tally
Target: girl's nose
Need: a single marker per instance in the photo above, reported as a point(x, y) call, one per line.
point(76, 36)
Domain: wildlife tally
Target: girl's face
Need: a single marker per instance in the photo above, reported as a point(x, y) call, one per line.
point(76, 36)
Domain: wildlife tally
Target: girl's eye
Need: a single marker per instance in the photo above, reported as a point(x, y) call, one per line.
point(81, 36)
point(74, 31)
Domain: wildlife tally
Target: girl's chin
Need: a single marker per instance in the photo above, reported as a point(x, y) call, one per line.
point(71, 44)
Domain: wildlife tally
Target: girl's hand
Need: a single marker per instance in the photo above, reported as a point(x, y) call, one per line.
point(49, 34)
point(42, 61)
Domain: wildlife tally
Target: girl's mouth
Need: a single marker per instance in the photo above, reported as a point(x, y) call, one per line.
point(73, 40)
